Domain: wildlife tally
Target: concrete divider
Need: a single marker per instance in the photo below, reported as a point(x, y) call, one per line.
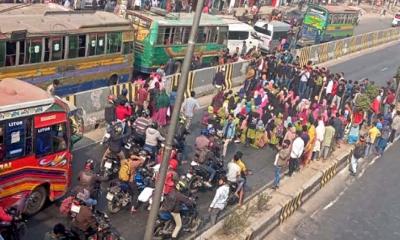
point(335, 49)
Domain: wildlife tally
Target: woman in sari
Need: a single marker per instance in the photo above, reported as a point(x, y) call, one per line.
point(308, 150)
point(162, 104)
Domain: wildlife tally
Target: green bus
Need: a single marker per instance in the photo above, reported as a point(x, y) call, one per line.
point(160, 36)
point(324, 24)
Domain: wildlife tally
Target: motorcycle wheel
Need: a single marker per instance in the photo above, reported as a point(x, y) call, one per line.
point(194, 184)
point(113, 207)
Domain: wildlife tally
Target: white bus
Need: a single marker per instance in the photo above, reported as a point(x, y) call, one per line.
point(238, 33)
point(270, 34)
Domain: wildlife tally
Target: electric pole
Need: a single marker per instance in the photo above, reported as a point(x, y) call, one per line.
point(174, 121)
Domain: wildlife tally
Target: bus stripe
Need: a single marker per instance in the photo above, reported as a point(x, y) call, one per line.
point(42, 172)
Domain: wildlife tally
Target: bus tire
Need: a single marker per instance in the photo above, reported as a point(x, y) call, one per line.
point(36, 200)
point(113, 80)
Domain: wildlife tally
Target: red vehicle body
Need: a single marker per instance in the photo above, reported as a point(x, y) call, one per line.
point(36, 135)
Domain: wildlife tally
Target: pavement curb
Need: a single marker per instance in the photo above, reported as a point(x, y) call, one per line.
point(285, 203)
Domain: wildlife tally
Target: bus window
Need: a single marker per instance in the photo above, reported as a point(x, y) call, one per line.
point(17, 139)
point(2, 53)
point(128, 47)
point(92, 44)
point(185, 35)
point(73, 46)
point(114, 42)
point(11, 53)
point(21, 52)
point(51, 139)
point(238, 35)
point(177, 35)
point(81, 45)
point(201, 35)
point(100, 47)
point(161, 35)
point(35, 50)
point(213, 36)
point(222, 35)
point(47, 48)
point(57, 48)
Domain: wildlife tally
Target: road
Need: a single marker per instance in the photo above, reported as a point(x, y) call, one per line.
point(372, 22)
point(260, 161)
point(362, 208)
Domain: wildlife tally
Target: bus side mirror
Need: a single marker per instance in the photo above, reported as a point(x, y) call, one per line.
point(76, 125)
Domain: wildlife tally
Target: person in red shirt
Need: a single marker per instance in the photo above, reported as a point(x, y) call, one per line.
point(123, 111)
point(142, 96)
point(388, 101)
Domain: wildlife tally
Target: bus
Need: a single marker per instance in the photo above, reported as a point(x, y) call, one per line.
point(82, 49)
point(37, 132)
point(161, 36)
point(324, 24)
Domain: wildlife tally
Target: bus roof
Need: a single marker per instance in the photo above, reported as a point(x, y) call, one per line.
point(179, 19)
point(235, 24)
point(16, 94)
point(339, 9)
point(41, 22)
point(28, 9)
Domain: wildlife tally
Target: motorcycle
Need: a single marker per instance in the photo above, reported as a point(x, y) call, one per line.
point(110, 167)
point(118, 196)
point(198, 175)
point(104, 228)
point(16, 229)
point(165, 224)
point(232, 198)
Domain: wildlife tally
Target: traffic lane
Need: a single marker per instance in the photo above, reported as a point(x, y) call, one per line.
point(132, 226)
point(379, 66)
point(369, 209)
point(372, 23)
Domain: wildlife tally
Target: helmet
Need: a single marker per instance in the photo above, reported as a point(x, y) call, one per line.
point(379, 125)
point(145, 114)
point(89, 165)
point(118, 128)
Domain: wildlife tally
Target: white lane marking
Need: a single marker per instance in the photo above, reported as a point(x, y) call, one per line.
point(384, 69)
point(335, 200)
point(373, 161)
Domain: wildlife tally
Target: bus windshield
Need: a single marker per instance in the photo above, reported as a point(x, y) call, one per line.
point(315, 18)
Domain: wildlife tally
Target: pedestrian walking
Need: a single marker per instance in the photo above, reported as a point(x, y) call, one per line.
point(281, 160)
point(373, 134)
point(395, 126)
point(220, 200)
point(189, 106)
point(328, 139)
point(358, 152)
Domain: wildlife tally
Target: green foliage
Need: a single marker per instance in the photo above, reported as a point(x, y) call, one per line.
point(364, 100)
point(236, 222)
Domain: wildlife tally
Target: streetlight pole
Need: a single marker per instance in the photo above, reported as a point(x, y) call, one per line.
point(174, 120)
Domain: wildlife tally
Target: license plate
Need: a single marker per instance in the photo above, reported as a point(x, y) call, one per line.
point(75, 208)
point(189, 175)
point(110, 196)
point(108, 165)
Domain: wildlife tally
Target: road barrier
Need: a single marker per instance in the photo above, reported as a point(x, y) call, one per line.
point(332, 50)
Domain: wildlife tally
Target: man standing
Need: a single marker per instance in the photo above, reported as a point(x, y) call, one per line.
point(328, 139)
point(295, 154)
point(189, 106)
point(281, 159)
point(304, 77)
point(219, 79)
point(358, 153)
point(220, 199)
point(229, 131)
point(395, 126)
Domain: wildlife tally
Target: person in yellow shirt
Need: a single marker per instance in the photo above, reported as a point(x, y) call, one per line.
point(373, 133)
point(243, 172)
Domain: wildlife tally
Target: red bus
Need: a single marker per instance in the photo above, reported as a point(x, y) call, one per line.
point(37, 132)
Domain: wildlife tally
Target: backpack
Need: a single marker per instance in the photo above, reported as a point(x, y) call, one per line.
point(124, 171)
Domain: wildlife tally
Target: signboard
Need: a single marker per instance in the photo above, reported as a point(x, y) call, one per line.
point(22, 112)
point(15, 139)
point(315, 21)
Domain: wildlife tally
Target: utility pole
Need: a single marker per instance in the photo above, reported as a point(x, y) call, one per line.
point(174, 121)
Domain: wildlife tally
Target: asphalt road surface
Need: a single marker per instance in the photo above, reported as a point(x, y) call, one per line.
point(362, 208)
point(259, 161)
point(372, 23)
